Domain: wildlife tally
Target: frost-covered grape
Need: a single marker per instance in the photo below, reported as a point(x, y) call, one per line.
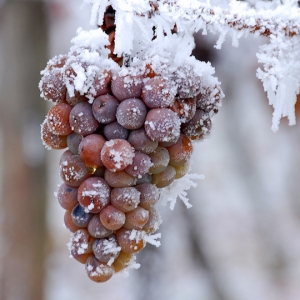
point(81, 242)
point(154, 221)
point(68, 221)
point(93, 194)
point(149, 194)
point(131, 113)
point(106, 250)
point(112, 218)
point(72, 169)
point(130, 241)
point(184, 108)
point(98, 271)
point(164, 178)
point(117, 154)
point(128, 86)
point(76, 98)
point(73, 141)
point(122, 261)
point(160, 159)
point(182, 170)
point(198, 127)
point(162, 125)
point(80, 217)
point(67, 196)
point(125, 199)
point(100, 85)
point(147, 178)
point(96, 229)
point(137, 218)
point(51, 140)
point(90, 149)
point(140, 165)
point(104, 109)
point(115, 131)
point(57, 62)
point(82, 120)
point(58, 119)
point(157, 92)
point(181, 152)
point(119, 179)
point(141, 142)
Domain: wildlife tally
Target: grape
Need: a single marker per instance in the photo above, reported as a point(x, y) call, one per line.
point(73, 141)
point(130, 241)
point(181, 152)
point(98, 271)
point(96, 229)
point(166, 144)
point(51, 140)
point(93, 194)
point(119, 179)
point(131, 113)
point(128, 86)
point(141, 142)
point(112, 218)
point(154, 221)
point(209, 99)
point(72, 170)
point(115, 131)
point(149, 195)
point(137, 218)
point(106, 250)
point(67, 196)
point(182, 170)
point(144, 179)
point(68, 220)
point(184, 108)
point(198, 127)
point(140, 165)
point(101, 84)
point(158, 92)
point(80, 218)
point(117, 154)
point(89, 150)
point(81, 242)
point(52, 86)
point(122, 261)
point(104, 109)
point(160, 159)
point(57, 62)
point(164, 178)
point(76, 98)
point(58, 119)
point(162, 125)
point(82, 258)
point(82, 120)
point(125, 199)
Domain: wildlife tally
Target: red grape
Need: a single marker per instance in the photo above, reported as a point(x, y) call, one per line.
point(67, 196)
point(125, 199)
point(112, 218)
point(104, 109)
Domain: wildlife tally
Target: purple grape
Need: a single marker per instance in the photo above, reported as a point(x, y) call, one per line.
point(140, 165)
point(96, 229)
point(149, 195)
point(106, 250)
point(141, 142)
point(80, 217)
point(131, 113)
point(73, 141)
point(125, 199)
point(115, 131)
point(104, 109)
point(67, 196)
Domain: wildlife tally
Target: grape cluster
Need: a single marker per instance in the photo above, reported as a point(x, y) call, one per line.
point(127, 135)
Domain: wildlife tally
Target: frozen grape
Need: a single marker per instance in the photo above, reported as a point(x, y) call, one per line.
point(98, 271)
point(117, 154)
point(119, 179)
point(162, 125)
point(96, 229)
point(93, 194)
point(51, 140)
point(104, 109)
point(76, 98)
point(154, 221)
point(182, 170)
point(181, 152)
point(122, 261)
point(58, 119)
point(184, 108)
point(128, 86)
point(90, 149)
point(106, 250)
point(131, 113)
point(141, 142)
point(67, 196)
point(140, 165)
point(81, 242)
point(164, 178)
point(68, 221)
point(80, 217)
point(160, 159)
point(100, 85)
point(157, 92)
point(130, 241)
point(137, 218)
point(125, 199)
point(115, 131)
point(82, 120)
point(147, 178)
point(112, 218)
point(149, 194)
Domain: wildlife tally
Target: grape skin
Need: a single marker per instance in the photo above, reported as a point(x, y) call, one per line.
point(119, 179)
point(164, 178)
point(104, 109)
point(51, 140)
point(67, 196)
point(115, 131)
point(149, 195)
point(125, 199)
point(73, 141)
point(96, 229)
point(98, 271)
point(80, 218)
point(141, 142)
point(137, 218)
point(112, 218)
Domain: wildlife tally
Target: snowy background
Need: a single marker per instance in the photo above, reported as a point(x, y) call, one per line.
point(241, 238)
